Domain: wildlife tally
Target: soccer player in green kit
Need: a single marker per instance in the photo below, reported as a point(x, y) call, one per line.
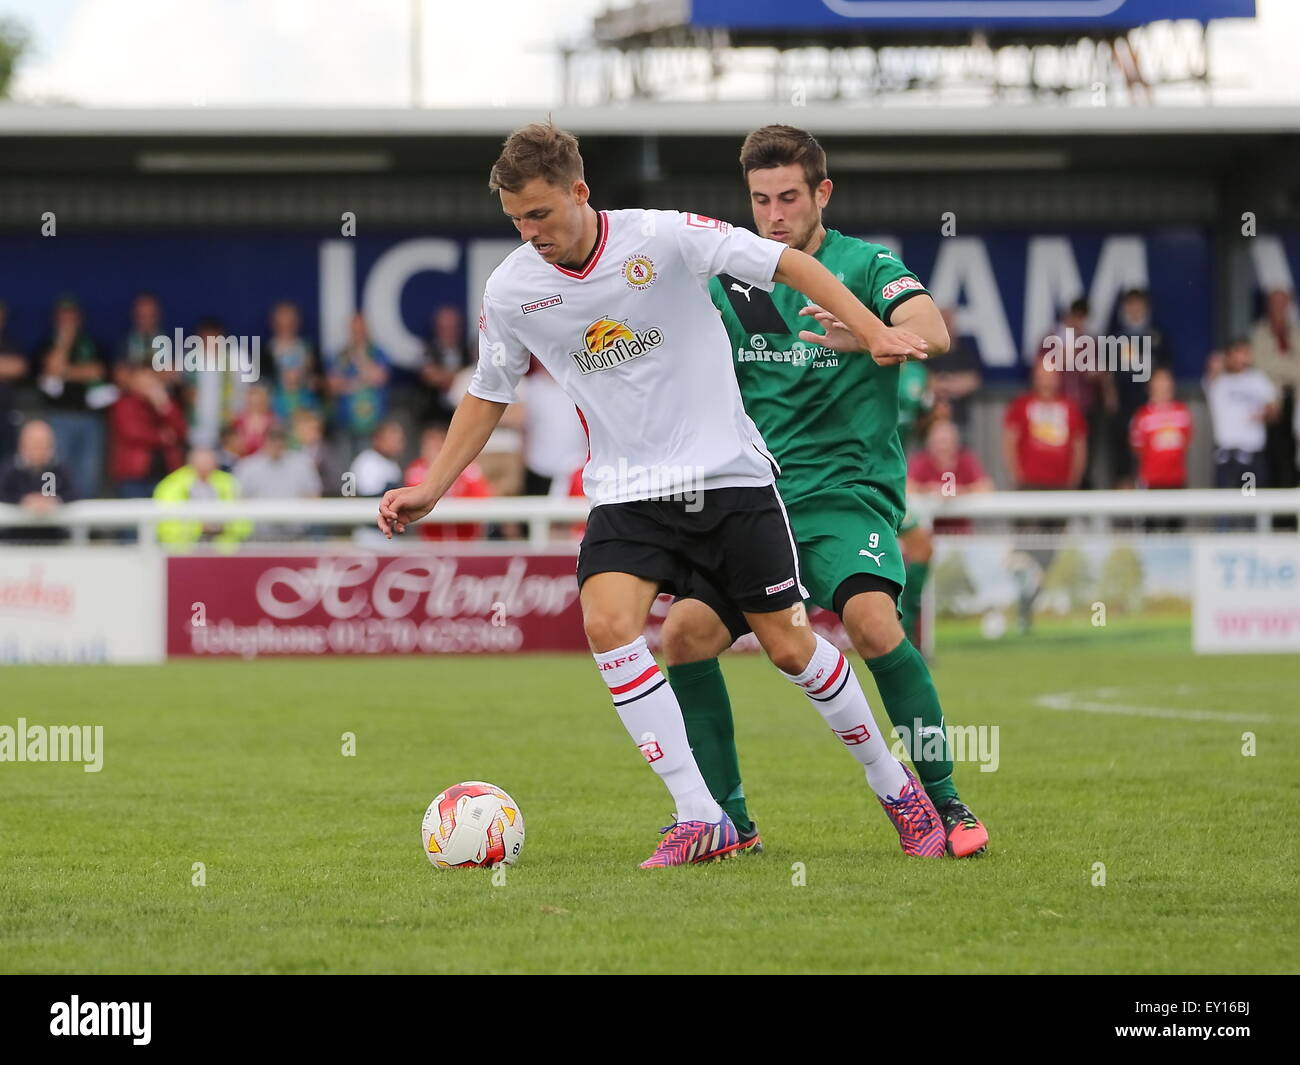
point(829, 414)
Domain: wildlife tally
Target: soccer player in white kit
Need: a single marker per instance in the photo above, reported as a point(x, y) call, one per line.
point(616, 306)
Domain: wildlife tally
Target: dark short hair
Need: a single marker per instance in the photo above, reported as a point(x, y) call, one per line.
point(773, 146)
point(1079, 306)
point(540, 150)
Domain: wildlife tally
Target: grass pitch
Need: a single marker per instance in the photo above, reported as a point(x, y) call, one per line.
point(1123, 752)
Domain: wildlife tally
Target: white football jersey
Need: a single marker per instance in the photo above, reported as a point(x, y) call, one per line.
point(635, 341)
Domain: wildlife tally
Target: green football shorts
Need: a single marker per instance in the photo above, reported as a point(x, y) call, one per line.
point(842, 532)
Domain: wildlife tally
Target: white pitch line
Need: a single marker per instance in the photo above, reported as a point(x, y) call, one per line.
point(1087, 702)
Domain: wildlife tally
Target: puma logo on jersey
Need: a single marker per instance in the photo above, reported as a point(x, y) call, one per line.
point(736, 287)
point(885, 255)
point(874, 558)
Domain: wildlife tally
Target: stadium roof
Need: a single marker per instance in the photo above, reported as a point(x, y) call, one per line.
point(680, 119)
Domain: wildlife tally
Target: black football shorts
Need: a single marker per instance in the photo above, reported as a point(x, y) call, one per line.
point(737, 539)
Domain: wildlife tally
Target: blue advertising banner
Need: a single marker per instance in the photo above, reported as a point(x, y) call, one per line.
point(1007, 288)
point(957, 14)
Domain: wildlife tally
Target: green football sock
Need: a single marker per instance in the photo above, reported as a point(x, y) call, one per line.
point(706, 709)
point(909, 603)
point(912, 703)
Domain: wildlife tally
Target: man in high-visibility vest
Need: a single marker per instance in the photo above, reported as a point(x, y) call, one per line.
point(199, 480)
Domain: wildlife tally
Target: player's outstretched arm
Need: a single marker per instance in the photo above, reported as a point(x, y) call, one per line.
point(470, 428)
point(805, 274)
point(918, 315)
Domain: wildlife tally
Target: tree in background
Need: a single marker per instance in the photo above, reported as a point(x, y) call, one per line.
point(1068, 581)
point(1121, 579)
point(953, 587)
point(14, 41)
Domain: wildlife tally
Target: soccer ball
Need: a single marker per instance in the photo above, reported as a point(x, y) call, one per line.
point(473, 824)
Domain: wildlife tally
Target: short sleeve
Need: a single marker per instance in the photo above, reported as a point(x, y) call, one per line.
point(711, 247)
point(889, 283)
point(502, 360)
point(1135, 429)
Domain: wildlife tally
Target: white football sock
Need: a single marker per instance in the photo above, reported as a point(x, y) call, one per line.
point(832, 687)
point(650, 713)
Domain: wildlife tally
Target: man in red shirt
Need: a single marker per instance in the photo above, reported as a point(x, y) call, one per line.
point(469, 485)
point(945, 468)
point(146, 434)
point(1161, 432)
point(1044, 436)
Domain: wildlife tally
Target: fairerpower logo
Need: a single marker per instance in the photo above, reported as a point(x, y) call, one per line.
point(75, 1017)
point(608, 343)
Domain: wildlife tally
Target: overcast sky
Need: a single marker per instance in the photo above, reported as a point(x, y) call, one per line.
point(156, 53)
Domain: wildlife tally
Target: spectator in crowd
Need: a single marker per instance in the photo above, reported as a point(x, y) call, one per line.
point(1044, 436)
point(36, 481)
point(1091, 391)
point(308, 436)
point(70, 373)
point(945, 468)
point(555, 442)
point(227, 456)
point(469, 485)
point(358, 379)
point(13, 371)
point(1161, 433)
point(253, 422)
point(293, 363)
point(375, 470)
point(146, 433)
point(137, 349)
point(417, 386)
point(955, 377)
point(276, 472)
point(212, 397)
point(1242, 401)
point(200, 481)
point(1133, 325)
point(1275, 352)
point(446, 353)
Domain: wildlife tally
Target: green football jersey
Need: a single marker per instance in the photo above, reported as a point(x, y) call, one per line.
point(830, 418)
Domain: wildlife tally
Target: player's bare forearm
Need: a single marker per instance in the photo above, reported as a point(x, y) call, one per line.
point(921, 316)
point(470, 428)
point(805, 274)
point(467, 435)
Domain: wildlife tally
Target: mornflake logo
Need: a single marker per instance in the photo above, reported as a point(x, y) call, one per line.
point(609, 343)
point(102, 1018)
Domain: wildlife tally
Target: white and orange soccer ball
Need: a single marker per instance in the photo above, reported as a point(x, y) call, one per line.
point(473, 824)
